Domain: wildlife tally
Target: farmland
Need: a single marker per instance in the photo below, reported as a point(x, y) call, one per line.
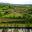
point(13, 14)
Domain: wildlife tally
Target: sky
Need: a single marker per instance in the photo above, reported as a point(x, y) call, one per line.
point(17, 1)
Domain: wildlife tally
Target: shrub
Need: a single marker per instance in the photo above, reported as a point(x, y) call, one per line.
point(0, 15)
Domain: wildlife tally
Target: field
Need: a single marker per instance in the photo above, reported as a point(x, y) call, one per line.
point(17, 16)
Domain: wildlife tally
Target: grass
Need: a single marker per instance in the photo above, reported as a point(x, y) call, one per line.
point(13, 15)
point(15, 25)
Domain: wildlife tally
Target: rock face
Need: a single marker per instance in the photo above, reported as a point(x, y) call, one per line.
point(16, 30)
point(4, 30)
point(0, 30)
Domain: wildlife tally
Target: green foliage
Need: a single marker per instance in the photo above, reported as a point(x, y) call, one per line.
point(10, 9)
point(30, 9)
point(0, 15)
point(19, 17)
point(6, 12)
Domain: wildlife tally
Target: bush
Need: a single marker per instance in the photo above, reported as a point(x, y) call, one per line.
point(0, 15)
point(26, 16)
point(6, 12)
point(19, 17)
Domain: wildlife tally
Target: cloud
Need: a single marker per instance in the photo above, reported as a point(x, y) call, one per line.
point(21, 1)
point(17, 1)
point(4, 1)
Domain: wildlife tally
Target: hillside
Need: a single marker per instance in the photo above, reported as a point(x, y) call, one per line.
point(16, 11)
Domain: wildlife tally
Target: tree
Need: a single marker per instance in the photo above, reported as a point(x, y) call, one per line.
point(6, 12)
point(30, 11)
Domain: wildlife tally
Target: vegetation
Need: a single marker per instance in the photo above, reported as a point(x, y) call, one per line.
point(14, 11)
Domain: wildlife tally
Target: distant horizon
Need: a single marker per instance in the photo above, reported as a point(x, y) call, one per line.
point(12, 3)
point(17, 1)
